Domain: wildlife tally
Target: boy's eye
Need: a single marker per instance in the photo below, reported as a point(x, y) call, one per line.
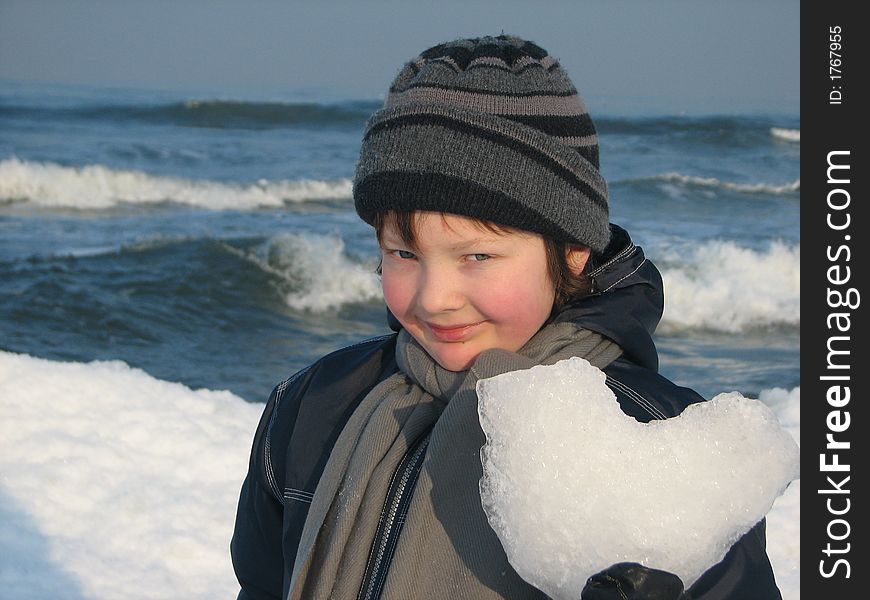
point(405, 254)
point(480, 257)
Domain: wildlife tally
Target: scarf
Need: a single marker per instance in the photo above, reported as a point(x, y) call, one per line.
point(447, 548)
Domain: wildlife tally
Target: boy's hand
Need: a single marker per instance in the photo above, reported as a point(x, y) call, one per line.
point(633, 581)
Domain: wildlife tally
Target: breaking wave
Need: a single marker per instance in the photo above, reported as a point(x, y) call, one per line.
point(711, 183)
point(314, 272)
point(788, 135)
point(97, 187)
point(724, 287)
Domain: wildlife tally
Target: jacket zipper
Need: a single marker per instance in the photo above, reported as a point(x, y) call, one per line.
point(392, 519)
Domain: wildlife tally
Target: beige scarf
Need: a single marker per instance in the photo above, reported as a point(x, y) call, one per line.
point(446, 548)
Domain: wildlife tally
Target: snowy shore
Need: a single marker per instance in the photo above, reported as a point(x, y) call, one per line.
point(114, 484)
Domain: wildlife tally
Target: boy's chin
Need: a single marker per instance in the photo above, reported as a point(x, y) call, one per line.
point(454, 361)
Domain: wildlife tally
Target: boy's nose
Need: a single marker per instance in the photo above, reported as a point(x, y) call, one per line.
point(439, 292)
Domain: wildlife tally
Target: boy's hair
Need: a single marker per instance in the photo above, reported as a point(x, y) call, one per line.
point(569, 287)
point(490, 128)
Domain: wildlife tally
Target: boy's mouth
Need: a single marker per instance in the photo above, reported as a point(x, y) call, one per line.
point(452, 333)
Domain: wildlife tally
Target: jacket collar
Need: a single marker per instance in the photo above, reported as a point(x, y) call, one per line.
point(627, 301)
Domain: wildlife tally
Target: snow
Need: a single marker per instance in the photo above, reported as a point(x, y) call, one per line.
point(114, 484)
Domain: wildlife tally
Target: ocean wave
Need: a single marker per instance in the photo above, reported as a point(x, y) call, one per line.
point(711, 183)
point(721, 286)
point(222, 114)
point(788, 135)
point(134, 245)
point(97, 187)
point(83, 469)
point(313, 272)
point(667, 124)
point(309, 272)
point(724, 287)
point(712, 127)
point(248, 114)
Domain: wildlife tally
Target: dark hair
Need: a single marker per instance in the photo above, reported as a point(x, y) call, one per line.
point(569, 287)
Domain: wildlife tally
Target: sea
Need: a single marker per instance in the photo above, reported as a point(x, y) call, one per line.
point(167, 258)
point(212, 241)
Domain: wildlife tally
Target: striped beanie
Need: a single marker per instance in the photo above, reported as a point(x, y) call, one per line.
point(490, 128)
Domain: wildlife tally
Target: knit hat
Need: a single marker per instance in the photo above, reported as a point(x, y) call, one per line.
point(490, 128)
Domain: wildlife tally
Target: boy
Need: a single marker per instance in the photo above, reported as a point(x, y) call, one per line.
point(480, 176)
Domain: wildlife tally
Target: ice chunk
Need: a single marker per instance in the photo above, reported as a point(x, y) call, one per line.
point(572, 485)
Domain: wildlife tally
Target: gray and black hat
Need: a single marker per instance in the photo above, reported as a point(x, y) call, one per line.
point(490, 128)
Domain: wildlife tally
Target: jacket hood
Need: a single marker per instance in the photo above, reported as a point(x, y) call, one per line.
point(627, 300)
point(626, 303)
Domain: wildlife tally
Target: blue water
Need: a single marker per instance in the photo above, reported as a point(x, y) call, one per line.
point(213, 241)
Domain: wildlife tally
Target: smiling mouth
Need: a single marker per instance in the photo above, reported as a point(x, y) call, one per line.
point(455, 333)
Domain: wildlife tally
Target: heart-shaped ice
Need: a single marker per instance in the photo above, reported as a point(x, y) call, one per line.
point(572, 485)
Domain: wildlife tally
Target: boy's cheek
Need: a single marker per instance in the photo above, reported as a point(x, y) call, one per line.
point(517, 302)
point(395, 294)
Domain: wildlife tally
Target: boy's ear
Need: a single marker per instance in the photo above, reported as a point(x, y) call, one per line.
point(577, 257)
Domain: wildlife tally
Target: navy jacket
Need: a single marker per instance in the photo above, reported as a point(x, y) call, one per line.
point(306, 413)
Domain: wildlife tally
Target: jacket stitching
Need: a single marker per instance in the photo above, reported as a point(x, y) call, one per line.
point(649, 406)
point(616, 258)
point(611, 286)
point(622, 254)
point(298, 495)
point(279, 396)
point(642, 404)
point(640, 400)
point(267, 446)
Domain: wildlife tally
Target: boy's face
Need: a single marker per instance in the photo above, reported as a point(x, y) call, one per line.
point(465, 289)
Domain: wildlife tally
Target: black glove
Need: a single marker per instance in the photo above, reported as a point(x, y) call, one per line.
point(633, 581)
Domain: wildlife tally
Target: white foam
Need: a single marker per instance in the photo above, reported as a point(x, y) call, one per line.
point(314, 271)
point(713, 183)
point(725, 287)
point(97, 187)
point(93, 455)
point(116, 484)
point(788, 135)
point(672, 494)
